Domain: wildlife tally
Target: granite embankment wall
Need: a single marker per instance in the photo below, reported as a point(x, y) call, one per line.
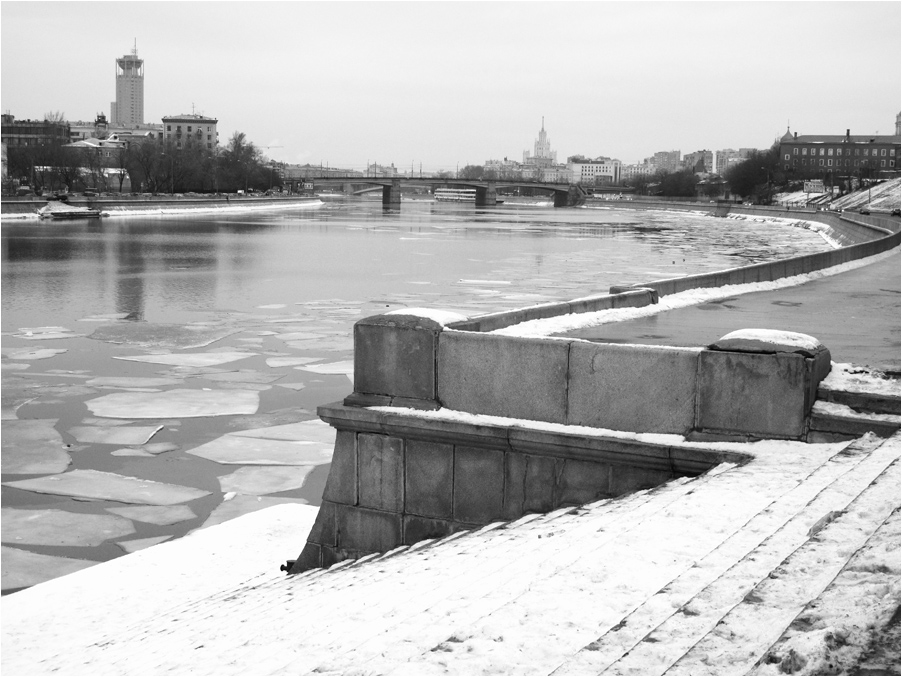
point(126, 203)
point(548, 412)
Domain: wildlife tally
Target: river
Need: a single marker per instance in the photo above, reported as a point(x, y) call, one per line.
point(115, 330)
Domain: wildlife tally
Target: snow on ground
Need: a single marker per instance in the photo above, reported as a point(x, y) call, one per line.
point(856, 379)
point(691, 297)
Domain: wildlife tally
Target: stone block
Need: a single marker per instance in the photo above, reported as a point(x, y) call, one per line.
point(626, 479)
point(380, 472)
point(478, 485)
point(637, 388)
point(420, 528)
point(365, 530)
point(582, 482)
point(395, 355)
point(428, 479)
point(765, 395)
point(503, 375)
point(324, 531)
point(341, 485)
point(311, 557)
point(528, 484)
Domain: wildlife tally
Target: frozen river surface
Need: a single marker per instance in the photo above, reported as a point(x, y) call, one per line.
point(161, 374)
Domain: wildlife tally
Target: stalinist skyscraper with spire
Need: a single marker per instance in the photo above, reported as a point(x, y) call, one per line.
point(128, 108)
point(542, 153)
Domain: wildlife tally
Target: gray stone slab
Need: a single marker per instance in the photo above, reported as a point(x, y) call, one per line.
point(324, 531)
point(582, 482)
point(528, 484)
point(637, 388)
point(420, 528)
point(478, 485)
point(395, 355)
point(367, 530)
point(762, 395)
point(380, 472)
point(627, 479)
point(428, 479)
point(503, 375)
point(341, 485)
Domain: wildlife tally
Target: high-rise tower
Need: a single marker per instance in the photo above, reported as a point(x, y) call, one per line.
point(128, 108)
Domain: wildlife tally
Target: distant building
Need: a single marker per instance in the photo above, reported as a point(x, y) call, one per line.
point(128, 108)
point(706, 157)
point(191, 128)
point(628, 172)
point(665, 160)
point(33, 132)
point(542, 155)
point(502, 169)
point(818, 154)
point(101, 129)
point(602, 171)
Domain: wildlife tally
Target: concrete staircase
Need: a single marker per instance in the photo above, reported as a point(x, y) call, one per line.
point(698, 576)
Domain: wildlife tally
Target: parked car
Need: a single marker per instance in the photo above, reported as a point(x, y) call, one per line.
point(895, 212)
point(865, 211)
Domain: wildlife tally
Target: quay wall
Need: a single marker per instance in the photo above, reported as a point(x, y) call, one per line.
point(126, 203)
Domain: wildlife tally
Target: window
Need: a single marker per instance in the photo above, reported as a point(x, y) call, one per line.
point(883, 163)
point(795, 151)
point(168, 128)
point(829, 163)
point(892, 152)
point(856, 151)
point(829, 151)
point(189, 128)
point(804, 151)
point(786, 157)
point(178, 128)
point(822, 163)
point(883, 151)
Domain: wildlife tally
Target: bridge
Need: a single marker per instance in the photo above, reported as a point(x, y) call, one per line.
point(565, 194)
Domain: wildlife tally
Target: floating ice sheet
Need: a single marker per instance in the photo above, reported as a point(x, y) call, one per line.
point(62, 528)
point(314, 430)
point(289, 361)
point(298, 336)
point(233, 449)
point(32, 447)
point(153, 335)
point(161, 515)
point(22, 569)
point(292, 386)
point(134, 381)
point(36, 354)
point(344, 367)
point(261, 480)
point(45, 333)
point(272, 306)
point(188, 359)
point(131, 435)
point(243, 376)
point(179, 403)
point(14, 366)
point(106, 486)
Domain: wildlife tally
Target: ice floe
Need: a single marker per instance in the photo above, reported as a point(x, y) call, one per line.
point(22, 569)
point(14, 366)
point(36, 354)
point(161, 515)
point(344, 367)
point(45, 333)
point(243, 376)
point(314, 430)
point(176, 336)
point(61, 528)
point(233, 449)
point(32, 447)
point(289, 361)
point(298, 336)
point(292, 386)
point(129, 435)
point(260, 480)
point(188, 359)
point(133, 381)
point(106, 486)
point(178, 403)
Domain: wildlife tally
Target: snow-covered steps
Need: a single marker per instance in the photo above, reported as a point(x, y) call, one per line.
point(645, 583)
point(839, 421)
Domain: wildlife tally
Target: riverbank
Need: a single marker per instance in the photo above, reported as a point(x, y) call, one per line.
point(145, 205)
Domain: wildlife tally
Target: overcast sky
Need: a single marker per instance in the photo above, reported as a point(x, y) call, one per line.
point(442, 83)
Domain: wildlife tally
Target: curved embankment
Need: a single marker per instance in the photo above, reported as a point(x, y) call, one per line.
point(29, 206)
point(451, 427)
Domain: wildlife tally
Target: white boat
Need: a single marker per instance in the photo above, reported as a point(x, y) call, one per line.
point(455, 194)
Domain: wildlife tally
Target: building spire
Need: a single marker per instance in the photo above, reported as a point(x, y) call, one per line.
point(543, 123)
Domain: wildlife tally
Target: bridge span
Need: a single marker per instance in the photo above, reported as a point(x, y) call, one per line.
point(565, 194)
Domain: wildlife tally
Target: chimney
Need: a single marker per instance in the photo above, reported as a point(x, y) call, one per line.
point(795, 136)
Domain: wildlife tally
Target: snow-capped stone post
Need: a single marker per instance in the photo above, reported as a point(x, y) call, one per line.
point(759, 383)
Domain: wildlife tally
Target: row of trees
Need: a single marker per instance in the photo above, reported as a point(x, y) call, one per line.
point(152, 165)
